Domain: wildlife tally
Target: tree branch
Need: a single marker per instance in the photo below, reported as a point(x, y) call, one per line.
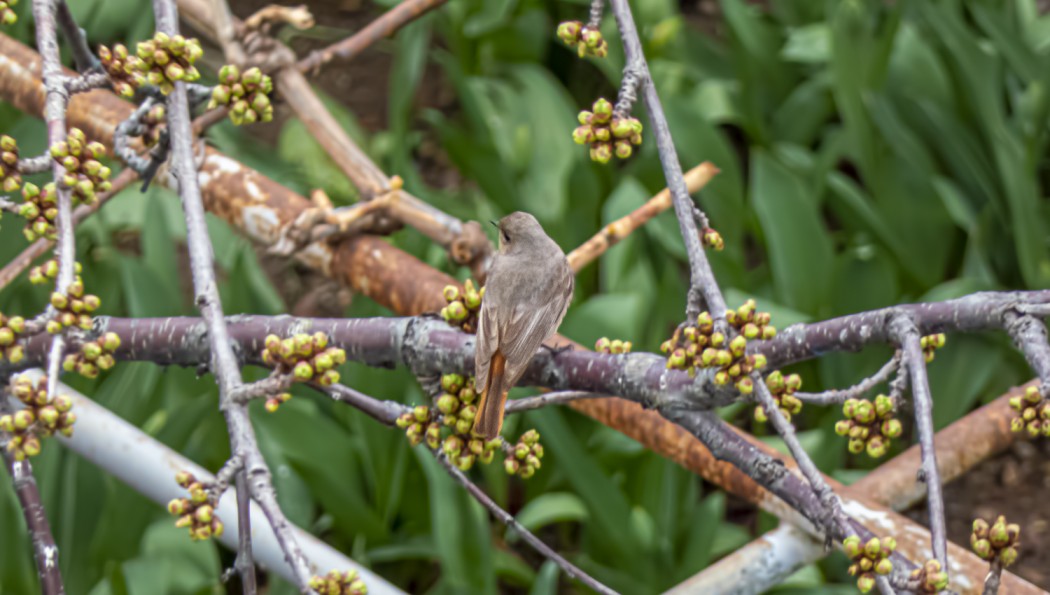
point(702, 280)
point(904, 330)
point(44, 549)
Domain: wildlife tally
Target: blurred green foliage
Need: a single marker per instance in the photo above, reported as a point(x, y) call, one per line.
point(872, 153)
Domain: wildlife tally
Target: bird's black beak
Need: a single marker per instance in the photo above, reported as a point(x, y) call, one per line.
point(494, 224)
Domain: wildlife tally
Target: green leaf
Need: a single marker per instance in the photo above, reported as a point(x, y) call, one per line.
point(606, 505)
point(797, 244)
point(460, 528)
point(810, 44)
point(552, 507)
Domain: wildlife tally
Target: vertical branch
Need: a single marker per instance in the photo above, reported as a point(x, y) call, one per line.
point(76, 38)
point(702, 282)
point(243, 564)
point(906, 334)
point(224, 364)
point(55, 103)
point(44, 549)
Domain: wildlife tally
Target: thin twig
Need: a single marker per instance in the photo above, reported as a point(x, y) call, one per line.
point(76, 38)
point(907, 335)
point(995, 572)
point(506, 518)
point(224, 366)
point(839, 396)
point(834, 522)
point(702, 280)
point(224, 29)
point(384, 26)
point(56, 102)
point(553, 398)
point(385, 412)
point(44, 549)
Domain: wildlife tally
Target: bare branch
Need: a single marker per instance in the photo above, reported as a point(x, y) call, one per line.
point(839, 396)
point(506, 518)
point(554, 398)
point(56, 102)
point(224, 363)
point(702, 280)
point(904, 330)
point(76, 38)
point(44, 549)
point(385, 26)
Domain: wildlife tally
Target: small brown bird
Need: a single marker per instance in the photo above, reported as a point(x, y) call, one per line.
point(527, 292)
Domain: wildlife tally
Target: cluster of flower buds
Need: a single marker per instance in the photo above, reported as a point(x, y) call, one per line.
point(41, 417)
point(702, 346)
point(153, 123)
point(869, 559)
point(10, 329)
point(196, 512)
point(163, 60)
point(871, 426)
point(608, 134)
point(247, 94)
point(928, 578)
point(604, 345)
point(93, 356)
point(931, 343)
point(7, 14)
point(74, 308)
point(48, 272)
point(40, 210)
point(85, 174)
point(524, 458)
point(783, 390)
point(119, 68)
point(588, 41)
point(463, 306)
point(457, 410)
point(339, 583)
point(1034, 413)
point(10, 177)
point(1000, 540)
point(306, 357)
point(751, 323)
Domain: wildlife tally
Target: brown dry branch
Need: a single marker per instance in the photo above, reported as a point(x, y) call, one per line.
point(613, 233)
point(466, 243)
point(384, 26)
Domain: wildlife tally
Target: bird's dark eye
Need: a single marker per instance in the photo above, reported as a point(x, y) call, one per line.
point(506, 238)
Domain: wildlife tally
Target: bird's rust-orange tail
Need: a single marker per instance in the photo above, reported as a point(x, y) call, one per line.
point(489, 420)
